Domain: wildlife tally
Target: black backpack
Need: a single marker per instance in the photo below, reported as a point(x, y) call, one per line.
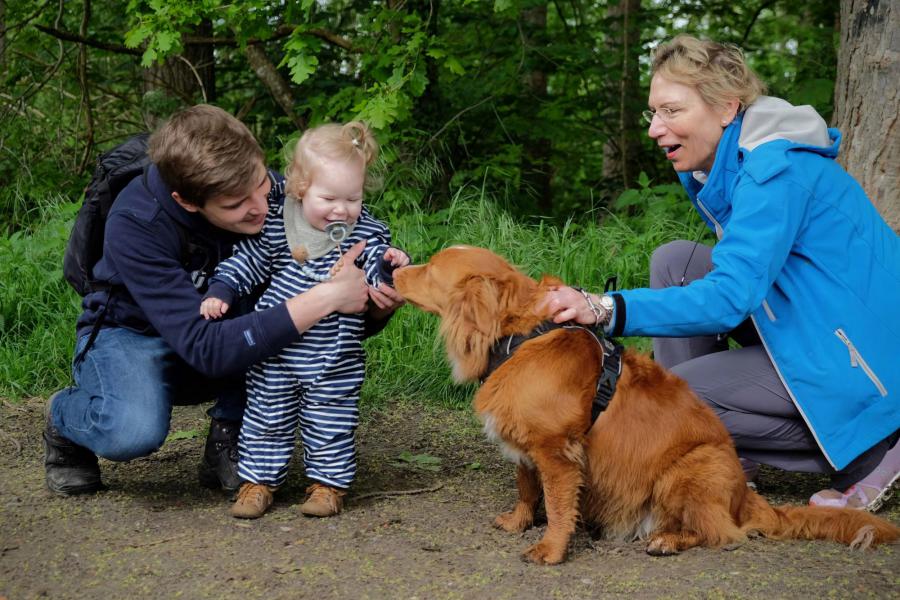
point(115, 169)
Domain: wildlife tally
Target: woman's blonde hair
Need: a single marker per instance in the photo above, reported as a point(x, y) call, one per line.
point(347, 142)
point(717, 71)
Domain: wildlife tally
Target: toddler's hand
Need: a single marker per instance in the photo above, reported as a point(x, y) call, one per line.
point(213, 308)
point(397, 258)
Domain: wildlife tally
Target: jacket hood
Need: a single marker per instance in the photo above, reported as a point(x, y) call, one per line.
point(770, 119)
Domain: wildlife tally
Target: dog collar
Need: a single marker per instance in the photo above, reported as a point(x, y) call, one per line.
point(505, 347)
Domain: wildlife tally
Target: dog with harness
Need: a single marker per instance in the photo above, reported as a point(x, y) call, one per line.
point(656, 464)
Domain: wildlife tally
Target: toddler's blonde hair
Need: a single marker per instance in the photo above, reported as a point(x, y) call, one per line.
point(348, 142)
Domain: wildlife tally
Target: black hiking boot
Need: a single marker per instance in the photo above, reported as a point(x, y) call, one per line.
point(71, 469)
point(220, 456)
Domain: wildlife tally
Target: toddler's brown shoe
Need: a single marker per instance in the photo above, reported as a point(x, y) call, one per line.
point(322, 501)
point(253, 500)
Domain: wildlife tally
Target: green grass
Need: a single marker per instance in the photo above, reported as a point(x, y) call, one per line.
point(408, 360)
point(38, 309)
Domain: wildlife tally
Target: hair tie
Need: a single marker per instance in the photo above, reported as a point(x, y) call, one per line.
point(355, 142)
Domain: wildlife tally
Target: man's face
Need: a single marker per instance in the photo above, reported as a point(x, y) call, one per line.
point(243, 213)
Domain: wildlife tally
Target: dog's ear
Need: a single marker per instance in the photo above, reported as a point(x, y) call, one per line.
point(516, 293)
point(471, 325)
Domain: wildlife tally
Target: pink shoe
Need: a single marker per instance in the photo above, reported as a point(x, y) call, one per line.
point(830, 497)
point(870, 492)
point(868, 497)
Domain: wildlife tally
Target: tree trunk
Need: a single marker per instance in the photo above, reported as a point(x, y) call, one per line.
point(2, 37)
point(189, 77)
point(536, 168)
point(82, 68)
point(867, 100)
point(621, 154)
point(274, 82)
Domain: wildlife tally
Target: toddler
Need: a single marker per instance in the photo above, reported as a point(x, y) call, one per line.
point(315, 381)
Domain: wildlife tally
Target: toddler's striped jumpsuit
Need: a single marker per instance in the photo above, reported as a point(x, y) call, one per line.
point(316, 380)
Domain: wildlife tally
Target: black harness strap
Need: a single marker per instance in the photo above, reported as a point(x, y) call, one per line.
point(505, 347)
point(612, 368)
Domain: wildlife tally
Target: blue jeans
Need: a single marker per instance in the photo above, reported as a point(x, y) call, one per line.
point(124, 391)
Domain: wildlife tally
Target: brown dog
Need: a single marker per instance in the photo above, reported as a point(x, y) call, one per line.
point(657, 464)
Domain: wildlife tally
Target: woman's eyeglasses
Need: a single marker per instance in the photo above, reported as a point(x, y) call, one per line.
point(665, 113)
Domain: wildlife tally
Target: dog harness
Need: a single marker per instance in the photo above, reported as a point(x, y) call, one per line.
point(503, 349)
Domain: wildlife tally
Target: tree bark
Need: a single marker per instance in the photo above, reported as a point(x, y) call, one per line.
point(621, 154)
point(82, 69)
point(274, 82)
point(190, 76)
point(2, 36)
point(536, 168)
point(867, 100)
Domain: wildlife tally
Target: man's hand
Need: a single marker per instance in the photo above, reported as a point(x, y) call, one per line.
point(347, 288)
point(213, 308)
point(385, 300)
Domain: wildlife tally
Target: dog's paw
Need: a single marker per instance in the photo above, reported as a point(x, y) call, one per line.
point(513, 522)
point(543, 553)
point(662, 545)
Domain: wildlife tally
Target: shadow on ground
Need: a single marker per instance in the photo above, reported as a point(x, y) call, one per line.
point(156, 534)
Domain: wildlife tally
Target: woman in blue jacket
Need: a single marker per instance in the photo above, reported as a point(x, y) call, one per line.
point(805, 276)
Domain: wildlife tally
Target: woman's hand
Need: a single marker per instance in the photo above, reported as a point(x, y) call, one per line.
point(568, 304)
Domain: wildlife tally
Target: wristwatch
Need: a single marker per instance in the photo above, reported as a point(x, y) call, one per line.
point(603, 312)
point(607, 304)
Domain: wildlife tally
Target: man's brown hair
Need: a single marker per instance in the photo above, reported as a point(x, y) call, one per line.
point(203, 152)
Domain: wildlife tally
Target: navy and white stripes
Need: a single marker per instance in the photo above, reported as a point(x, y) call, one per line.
point(314, 382)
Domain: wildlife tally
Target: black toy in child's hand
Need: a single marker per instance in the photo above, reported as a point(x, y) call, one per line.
point(386, 271)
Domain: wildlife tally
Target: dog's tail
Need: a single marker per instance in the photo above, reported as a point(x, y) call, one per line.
point(856, 528)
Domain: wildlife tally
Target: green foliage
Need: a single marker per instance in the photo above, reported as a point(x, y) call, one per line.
point(37, 310)
point(423, 462)
point(496, 118)
point(519, 97)
point(791, 45)
point(407, 359)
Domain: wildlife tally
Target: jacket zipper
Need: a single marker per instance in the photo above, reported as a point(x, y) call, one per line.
point(856, 360)
point(719, 230)
point(768, 310)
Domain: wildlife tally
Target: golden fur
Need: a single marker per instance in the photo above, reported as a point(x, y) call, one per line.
point(657, 465)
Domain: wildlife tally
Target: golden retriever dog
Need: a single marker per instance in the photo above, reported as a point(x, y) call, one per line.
point(657, 464)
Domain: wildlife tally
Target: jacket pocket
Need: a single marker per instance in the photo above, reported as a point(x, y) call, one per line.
point(856, 360)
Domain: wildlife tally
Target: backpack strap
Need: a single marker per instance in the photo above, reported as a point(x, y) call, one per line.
point(186, 247)
point(95, 330)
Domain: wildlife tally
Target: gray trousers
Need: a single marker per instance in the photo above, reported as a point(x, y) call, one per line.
point(741, 385)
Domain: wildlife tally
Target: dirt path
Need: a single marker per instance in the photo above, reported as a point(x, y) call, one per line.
point(156, 534)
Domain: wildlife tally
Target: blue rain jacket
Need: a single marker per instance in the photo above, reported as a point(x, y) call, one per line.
point(805, 254)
